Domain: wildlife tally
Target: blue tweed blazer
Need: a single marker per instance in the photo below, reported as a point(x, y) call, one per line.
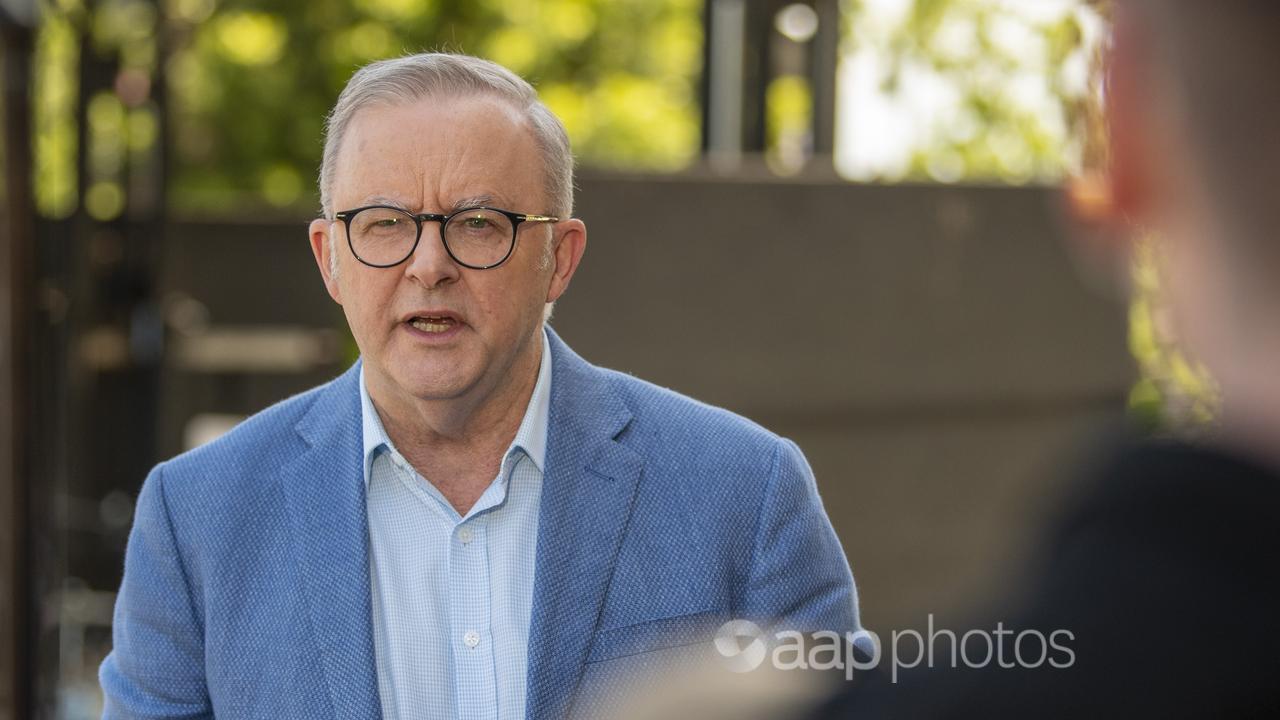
point(246, 586)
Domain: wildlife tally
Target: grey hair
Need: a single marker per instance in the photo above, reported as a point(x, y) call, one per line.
point(444, 75)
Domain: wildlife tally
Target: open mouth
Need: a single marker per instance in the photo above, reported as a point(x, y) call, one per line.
point(433, 324)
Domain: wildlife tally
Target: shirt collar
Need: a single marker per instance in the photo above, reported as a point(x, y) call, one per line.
point(531, 438)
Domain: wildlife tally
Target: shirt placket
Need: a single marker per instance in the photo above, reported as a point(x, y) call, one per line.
point(469, 602)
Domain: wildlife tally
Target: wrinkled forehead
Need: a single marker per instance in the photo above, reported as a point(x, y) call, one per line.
point(431, 151)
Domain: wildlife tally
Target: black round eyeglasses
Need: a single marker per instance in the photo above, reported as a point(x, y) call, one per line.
point(479, 238)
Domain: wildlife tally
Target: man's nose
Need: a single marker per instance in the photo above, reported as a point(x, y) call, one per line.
point(430, 264)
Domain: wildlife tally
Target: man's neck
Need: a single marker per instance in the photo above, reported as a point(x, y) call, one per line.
point(458, 444)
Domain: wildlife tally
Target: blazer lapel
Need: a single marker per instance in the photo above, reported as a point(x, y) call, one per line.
point(325, 493)
point(587, 495)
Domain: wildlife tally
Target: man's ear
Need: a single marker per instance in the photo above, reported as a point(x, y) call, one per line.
point(570, 243)
point(1112, 203)
point(1134, 166)
point(322, 249)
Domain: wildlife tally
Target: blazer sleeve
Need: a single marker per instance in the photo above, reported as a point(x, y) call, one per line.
point(156, 666)
point(799, 578)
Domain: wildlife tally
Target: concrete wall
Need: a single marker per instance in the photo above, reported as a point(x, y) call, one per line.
point(931, 349)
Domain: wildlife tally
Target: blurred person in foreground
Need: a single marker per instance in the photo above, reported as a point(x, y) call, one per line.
point(472, 521)
point(1156, 593)
point(1164, 570)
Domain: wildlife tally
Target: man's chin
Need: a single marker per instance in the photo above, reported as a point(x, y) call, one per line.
point(424, 382)
point(438, 373)
point(436, 388)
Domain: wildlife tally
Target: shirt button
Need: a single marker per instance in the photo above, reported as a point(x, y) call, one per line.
point(471, 638)
point(465, 535)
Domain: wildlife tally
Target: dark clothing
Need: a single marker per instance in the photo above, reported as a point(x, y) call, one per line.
point(1166, 572)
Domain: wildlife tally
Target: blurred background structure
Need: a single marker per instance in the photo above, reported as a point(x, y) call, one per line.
point(859, 245)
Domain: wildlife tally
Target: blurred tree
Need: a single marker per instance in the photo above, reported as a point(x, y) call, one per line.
point(966, 90)
point(1174, 391)
point(54, 106)
point(249, 83)
point(252, 80)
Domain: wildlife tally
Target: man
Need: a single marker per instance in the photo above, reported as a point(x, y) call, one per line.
point(1164, 571)
point(472, 521)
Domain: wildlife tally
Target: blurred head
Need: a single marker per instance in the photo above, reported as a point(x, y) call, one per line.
point(1193, 102)
point(436, 134)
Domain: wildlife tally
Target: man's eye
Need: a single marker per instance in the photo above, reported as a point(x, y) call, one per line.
point(477, 223)
point(386, 222)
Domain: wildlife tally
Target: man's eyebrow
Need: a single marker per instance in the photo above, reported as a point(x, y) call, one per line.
point(384, 200)
point(474, 201)
point(460, 204)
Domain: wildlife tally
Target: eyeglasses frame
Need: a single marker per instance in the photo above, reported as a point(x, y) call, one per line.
point(419, 218)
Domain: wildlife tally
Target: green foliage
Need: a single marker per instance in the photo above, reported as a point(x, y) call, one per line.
point(995, 86)
point(54, 105)
point(248, 83)
point(789, 106)
point(1173, 392)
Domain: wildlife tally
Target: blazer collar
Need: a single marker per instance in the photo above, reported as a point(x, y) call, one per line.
point(587, 493)
point(531, 436)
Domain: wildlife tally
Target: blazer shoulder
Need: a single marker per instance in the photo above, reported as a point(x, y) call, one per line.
point(263, 440)
point(680, 420)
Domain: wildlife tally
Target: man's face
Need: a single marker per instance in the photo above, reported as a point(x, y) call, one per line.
point(437, 155)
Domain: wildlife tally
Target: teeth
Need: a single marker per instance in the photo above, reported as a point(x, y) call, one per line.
point(432, 325)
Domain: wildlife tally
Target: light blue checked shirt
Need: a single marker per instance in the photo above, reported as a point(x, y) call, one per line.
point(452, 595)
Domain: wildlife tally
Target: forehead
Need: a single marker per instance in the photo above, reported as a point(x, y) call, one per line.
point(430, 153)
